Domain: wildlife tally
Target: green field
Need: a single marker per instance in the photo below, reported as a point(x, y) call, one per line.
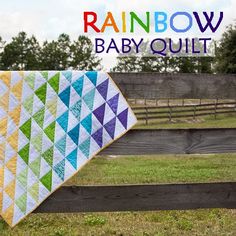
point(145, 169)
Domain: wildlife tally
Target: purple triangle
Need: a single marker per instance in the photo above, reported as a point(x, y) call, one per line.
point(110, 127)
point(97, 136)
point(102, 89)
point(99, 113)
point(123, 117)
point(113, 103)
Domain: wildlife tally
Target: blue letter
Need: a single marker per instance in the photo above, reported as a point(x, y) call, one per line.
point(181, 30)
point(158, 22)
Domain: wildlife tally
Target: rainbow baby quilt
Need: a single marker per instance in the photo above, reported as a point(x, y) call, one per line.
point(51, 124)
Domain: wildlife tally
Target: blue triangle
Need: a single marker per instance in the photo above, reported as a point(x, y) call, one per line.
point(74, 134)
point(60, 169)
point(65, 96)
point(61, 145)
point(110, 127)
point(68, 75)
point(97, 136)
point(87, 123)
point(63, 120)
point(72, 158)
point(113, 103)
point(85, 147)
point(89, 99)
point(100, 112)
point(102, 89)
point(78, 85)
point(92, 75)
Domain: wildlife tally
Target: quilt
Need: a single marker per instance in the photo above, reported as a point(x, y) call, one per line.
point(51, 124)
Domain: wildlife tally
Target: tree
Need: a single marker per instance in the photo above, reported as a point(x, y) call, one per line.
point(226, 51)
point(2, 44)
point(21, 53)
point(55, 55)
point(82, 56)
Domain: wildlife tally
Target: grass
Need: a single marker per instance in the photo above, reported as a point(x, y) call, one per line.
point(221, 121)
point(157, 169)
point(145, 169)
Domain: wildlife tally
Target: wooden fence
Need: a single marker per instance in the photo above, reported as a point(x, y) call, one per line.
point(137, 142)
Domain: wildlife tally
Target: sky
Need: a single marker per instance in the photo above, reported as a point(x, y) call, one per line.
point(46, 19)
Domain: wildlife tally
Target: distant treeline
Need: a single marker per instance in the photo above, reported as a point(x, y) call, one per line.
point(26, 53)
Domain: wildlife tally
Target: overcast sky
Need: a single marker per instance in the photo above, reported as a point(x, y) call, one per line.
point(46, 19)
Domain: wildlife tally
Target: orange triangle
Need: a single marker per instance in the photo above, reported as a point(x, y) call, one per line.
point(17, 89)
point(4, 101)
point(3, 126)
point(8, 214)
point(13, 140)
point(11, 165)
point(5, 77)
point(1, 176)
point(10, 189)
point(15, 115)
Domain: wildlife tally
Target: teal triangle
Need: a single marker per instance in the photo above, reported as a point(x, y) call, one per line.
point(61, 145)
point(72, 158)
point(78, 85)
point(74, 134)
point(65, 96)
point(60, 169)
point(76, 109)
point(63, 120)
point(89, 99)
point(87, 123)
point(92, 75)
point(85, 147)
point(68, 75)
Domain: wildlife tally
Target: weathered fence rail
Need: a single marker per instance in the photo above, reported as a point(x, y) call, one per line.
point(185, 141)
point(176, 86)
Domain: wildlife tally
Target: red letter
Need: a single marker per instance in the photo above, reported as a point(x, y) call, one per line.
point(91, 24)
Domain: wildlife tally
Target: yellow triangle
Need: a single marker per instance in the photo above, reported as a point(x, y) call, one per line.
point(1, 176)
point(5, 77)
point(17, 89)
point(3, 126)
point(10, 189)
point(4, 101)
point(11, 165)
point(13, 140)
point(15, 115)
point(8, 214)
point(2, 151)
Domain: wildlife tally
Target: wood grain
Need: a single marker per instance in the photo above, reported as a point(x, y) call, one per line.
point(174, 141)
point(176, 86)
point(140, 198)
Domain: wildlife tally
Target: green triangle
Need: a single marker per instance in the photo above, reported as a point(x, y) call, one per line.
point(50, 131)
point(48, 156)
point(54, 82)
point(45, 74)
point(52, 107)
point(26, 128)
point(89, 99)
point(21, 202)
point(28, 104)
point(35, 166)
point(34, 191)
point(24, 153)
point(46, 180)
point(30, 79)
point(39, 117)
point(41, 93)
point(22, 177)
point(37, 141)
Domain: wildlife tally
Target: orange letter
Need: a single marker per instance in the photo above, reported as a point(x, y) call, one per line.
point(111, 23)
